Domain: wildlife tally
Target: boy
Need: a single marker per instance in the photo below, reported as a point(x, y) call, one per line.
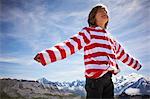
point(100, 54)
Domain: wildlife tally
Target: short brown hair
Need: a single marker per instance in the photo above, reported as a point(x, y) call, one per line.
point(91, 17)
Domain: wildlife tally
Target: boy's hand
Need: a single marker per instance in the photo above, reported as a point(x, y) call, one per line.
point(37, 58)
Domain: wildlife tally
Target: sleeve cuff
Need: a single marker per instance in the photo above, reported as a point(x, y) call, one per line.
point(42, 59)
point(138, 67)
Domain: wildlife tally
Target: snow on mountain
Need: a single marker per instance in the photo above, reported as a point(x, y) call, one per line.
point(132, 84)
point(43, 80)
point(76, 87)
point(140, 87)
point(47, 83)
point(136, 83)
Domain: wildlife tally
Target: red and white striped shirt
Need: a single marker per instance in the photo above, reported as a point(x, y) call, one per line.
point(100, 52)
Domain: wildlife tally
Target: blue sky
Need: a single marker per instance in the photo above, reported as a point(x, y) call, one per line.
point(29, 26)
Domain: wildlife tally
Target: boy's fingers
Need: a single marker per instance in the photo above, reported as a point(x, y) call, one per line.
point(37, 58)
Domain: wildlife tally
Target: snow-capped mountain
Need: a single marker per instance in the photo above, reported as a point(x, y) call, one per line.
point(76, 87)
point(131, 85)
point(77, 83)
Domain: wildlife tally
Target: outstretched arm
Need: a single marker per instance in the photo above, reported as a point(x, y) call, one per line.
point(64, 49)
point(126, 58)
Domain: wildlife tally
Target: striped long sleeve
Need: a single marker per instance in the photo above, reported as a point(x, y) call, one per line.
point(126, 58)
point(66, 48)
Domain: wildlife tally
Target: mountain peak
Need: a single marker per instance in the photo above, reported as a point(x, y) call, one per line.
point(43, 80)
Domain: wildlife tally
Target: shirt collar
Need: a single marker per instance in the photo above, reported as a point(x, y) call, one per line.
point(99, 28)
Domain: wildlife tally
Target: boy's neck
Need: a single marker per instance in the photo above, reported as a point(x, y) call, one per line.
point(102, 26)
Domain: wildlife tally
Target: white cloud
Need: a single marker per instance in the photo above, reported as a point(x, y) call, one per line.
point(126, 13)
point(39, 28)
point(8, 59)
point(139, 43)
point(22, 61)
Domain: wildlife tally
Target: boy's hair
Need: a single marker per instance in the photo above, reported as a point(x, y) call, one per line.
point(91, 17)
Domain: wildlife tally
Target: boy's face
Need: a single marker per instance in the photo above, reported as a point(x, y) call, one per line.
point(101, 16)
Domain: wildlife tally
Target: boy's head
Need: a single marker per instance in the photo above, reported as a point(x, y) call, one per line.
point(98, 16)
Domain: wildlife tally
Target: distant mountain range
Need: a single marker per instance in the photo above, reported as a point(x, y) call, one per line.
point(132, 85)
